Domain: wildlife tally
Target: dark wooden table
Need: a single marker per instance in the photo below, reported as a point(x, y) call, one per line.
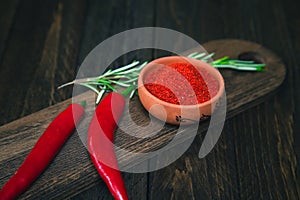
point(42, 43)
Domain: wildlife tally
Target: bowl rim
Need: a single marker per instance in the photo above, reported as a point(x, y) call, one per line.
point(217, 76)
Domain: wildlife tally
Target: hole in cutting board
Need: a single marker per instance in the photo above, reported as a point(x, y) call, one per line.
point(251, 55)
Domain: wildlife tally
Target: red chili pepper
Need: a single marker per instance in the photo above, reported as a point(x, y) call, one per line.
point(43, 151)
point(100, 143)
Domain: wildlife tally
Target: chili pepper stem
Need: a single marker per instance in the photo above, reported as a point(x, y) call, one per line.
point(83, 103)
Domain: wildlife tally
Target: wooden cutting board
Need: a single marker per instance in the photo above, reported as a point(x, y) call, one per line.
point(72, 171)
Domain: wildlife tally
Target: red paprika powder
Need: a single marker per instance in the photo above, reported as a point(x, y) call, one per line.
point(181, 83)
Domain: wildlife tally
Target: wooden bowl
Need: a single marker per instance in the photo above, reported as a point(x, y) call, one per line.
point(173, 113)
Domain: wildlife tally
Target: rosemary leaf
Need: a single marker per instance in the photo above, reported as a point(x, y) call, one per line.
point(100, 95)
point(134, 63)
point(219, 60)
point(198, 56)
point(237, 67)
point(109, 86)
point(90, 87)
point(192, 55)
point(120, 83)
point(128, 90)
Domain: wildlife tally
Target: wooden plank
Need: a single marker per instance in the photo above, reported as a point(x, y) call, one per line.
point(292, 21)
point(266, 151)
point(7, 9)
point(25, 43)
point(58, 60)
point(225, 179)
point(214, 176)
point(102, 21)
point(271, 154)
point(53, 37)
point(72, 170)
point(193, 178)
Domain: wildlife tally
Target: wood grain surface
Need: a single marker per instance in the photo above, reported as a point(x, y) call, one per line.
point(243, 90)
point(257, 156)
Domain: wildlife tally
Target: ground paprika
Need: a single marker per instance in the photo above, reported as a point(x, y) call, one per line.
point(181, 83)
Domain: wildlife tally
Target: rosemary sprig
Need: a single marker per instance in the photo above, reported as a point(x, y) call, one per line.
point(126, 76)
point(225, 62)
